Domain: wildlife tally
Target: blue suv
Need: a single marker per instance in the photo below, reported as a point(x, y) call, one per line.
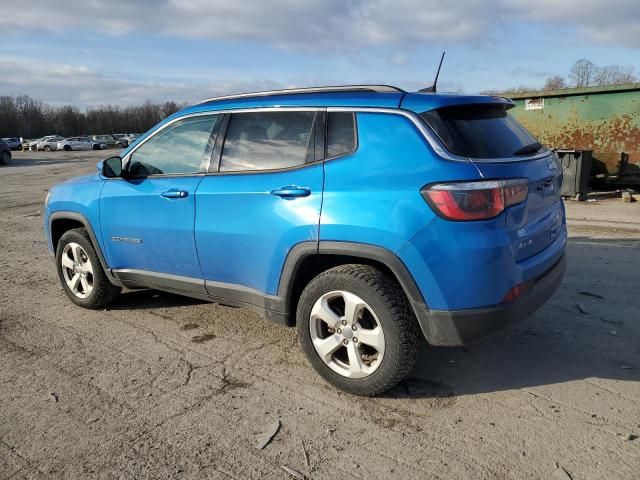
point(363, 215)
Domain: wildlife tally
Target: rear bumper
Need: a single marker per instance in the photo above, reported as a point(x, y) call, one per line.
point(461, 327)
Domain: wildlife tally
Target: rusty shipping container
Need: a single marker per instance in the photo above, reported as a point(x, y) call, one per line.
point(603, 119)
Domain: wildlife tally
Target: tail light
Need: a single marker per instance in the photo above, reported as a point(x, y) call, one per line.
point(463, 201)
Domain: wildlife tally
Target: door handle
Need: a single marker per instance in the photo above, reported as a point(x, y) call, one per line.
point(291, 191)
point(175, 193)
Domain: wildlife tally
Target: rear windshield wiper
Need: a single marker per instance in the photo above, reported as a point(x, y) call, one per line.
point(531, 148)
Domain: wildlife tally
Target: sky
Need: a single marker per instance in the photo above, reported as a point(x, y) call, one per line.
point(124, 52)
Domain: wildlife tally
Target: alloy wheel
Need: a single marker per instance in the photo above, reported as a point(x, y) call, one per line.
point(346, 334)
point(77, 270)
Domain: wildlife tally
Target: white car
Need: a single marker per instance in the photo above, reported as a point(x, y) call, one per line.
point(33, 144)
point(79, 143)
point(131, 138)
point(48, 143)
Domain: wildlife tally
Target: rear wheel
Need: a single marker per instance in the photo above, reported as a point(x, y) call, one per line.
point(47, 148)
point(67, 148)
point(96, 146)
point(81, 273)
point(4, 158)
point(357, 329)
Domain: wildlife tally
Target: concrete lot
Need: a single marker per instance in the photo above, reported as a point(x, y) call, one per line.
point(160, 386)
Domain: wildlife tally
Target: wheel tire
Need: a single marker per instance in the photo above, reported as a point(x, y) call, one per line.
point(67, 148)
point(5, 158)
point(46, 148)
point(386, 300)
point(103, 291)
point(96, 147)
point(119, 145)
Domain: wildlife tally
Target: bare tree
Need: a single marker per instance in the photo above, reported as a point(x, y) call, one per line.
point(556, 82)
point(583, 73)
point(30, 118)
point(615, 75)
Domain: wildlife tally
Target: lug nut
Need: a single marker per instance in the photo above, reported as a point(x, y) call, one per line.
point(345, 341)
point(355, 339)
point(344, 322)
point(354, 327)
point(339, 331)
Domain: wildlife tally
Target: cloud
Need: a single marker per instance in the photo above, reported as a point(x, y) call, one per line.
point(331, 24)
point(59, 84)
point(604, 22)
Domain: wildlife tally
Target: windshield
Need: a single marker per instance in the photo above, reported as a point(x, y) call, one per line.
point(481, 131)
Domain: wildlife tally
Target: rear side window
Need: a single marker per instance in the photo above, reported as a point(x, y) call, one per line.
point(268, 141)
point(341, 133)
point(481, 131)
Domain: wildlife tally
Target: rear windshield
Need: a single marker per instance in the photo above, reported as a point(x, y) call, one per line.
point(481, 131)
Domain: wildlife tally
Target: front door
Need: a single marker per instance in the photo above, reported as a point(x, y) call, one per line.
point(147, 218)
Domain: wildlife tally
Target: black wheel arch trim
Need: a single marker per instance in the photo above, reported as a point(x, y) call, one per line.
point(353, 249)
point(68, 215)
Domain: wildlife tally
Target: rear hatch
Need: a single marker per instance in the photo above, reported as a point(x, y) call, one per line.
point(501, 148)
point(534, 224)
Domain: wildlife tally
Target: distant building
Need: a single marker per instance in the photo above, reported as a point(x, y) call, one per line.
point(603, 119)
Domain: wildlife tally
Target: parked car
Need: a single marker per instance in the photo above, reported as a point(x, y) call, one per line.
point(110, 141)
point(79, 143)
point(131, 138)
point(5, 152)
point(48, 143)
point(363, 215)
point(123, 138)
point(33, 144)
point(13, 143)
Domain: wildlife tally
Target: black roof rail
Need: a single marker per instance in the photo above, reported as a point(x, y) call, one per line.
point(289, 91)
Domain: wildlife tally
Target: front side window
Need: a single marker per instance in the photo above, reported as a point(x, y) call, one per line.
point(341, 133)
point(179, 148)
point(267, 141)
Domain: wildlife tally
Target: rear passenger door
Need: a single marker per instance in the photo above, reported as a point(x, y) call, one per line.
point(261, 197)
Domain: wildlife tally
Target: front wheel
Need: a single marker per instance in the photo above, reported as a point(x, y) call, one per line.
point(81, 273)
point(357, 329)
point(4, 158)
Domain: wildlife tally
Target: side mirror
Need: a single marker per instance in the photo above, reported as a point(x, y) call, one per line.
point(112, 167)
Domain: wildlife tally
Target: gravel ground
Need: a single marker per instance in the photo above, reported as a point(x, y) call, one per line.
point(160, 386)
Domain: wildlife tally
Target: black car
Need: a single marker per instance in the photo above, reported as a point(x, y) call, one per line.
point(5, 153)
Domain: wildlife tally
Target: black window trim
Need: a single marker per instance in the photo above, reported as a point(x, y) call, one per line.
point(214, 161)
